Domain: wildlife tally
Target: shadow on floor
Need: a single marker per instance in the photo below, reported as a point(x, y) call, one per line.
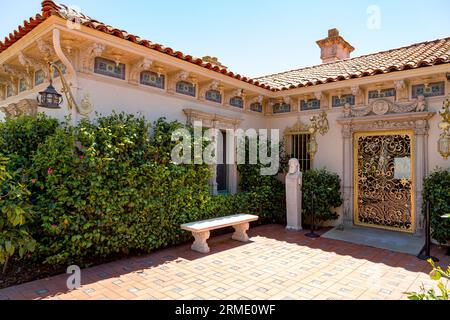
point(133, 268)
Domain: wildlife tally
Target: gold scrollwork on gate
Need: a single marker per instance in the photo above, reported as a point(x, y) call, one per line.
point(384, 180)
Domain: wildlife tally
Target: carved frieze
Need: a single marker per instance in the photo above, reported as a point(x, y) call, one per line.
point(211, 120)
point(31, 65)
point(384, 106)
point(21, 108)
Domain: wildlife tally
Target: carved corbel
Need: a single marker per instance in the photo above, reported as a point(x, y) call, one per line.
point(16, 74)
point(88, 56)
point(45, 49)
point(287, 100)
point(143, 64)
point(358, 93)
point(257, 99)
point(235, 93)
point(401, 90)
point(213, 85)
point(323, 98)
point(32, 64)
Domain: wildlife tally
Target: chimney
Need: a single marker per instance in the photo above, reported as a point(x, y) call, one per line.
point(334, 47)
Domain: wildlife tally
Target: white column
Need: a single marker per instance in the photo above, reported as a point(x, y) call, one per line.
point(348, 175)
point(420, 170)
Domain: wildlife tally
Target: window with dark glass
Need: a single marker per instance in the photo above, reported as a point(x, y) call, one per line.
point(152, 79)
point(385, 93)
point(39, 77)
point(281, 108)
point(186, 88)
point(9, 91)
point(61, 66)
point(341, 101)
point(237, 102)
point(22, 85)
point(214, 96)
point(109, 68)
point(256, 107)
point(432, 90)
point(312, 104)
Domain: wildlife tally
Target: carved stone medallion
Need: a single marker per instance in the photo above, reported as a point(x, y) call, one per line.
point(380, 107)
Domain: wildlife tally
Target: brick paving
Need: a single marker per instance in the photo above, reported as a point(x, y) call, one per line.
point(276, 264)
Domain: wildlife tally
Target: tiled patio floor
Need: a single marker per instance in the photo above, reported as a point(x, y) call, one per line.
point(276, 264)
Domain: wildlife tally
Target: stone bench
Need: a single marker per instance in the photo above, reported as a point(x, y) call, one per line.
point(201, 229)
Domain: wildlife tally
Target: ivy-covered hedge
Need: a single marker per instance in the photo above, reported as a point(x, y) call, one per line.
point(437, 193)
point(109, 187)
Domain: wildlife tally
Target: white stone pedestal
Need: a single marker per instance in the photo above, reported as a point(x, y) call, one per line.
point(294, 196)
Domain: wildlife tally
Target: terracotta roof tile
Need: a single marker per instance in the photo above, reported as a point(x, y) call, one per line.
point(413, 56)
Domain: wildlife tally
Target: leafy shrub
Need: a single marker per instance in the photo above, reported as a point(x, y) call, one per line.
point(108, 187)
point(326, 186)
point(109, 190)
point(20, 138)
point(268, 196)
point(437, 192)
point(438, 274)
point(15, 213)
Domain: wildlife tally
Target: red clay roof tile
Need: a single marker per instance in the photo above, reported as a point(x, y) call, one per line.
point(413, 56)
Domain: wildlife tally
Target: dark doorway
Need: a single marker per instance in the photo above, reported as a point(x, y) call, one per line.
point(221, 165)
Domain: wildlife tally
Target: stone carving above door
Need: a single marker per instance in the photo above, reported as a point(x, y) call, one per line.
point(381, 107)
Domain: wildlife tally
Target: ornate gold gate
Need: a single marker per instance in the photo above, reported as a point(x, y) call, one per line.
point(384, 180)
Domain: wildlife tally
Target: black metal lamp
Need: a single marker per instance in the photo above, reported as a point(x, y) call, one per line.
point(50, 98)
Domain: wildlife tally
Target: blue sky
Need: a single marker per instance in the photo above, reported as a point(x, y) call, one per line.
point(258, 37)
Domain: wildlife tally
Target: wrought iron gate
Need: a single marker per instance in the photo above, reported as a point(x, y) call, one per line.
point(384, 180)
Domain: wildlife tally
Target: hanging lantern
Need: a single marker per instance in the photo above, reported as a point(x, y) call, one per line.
point(444, 145)
point(444, 141)
point(50, 98)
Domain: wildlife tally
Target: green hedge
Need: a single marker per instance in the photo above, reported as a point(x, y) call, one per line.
point(437, 193)
point(327, 188)
point(108, 187)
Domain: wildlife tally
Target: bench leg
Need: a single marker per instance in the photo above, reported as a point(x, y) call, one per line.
point(240, 233)
point(200, 244)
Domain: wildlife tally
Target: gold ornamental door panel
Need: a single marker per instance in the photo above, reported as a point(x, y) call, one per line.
point(384, 180)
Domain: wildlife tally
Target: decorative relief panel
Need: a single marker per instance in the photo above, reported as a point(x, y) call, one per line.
point(211, 120)
point(23, 107)
point(385, 106)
